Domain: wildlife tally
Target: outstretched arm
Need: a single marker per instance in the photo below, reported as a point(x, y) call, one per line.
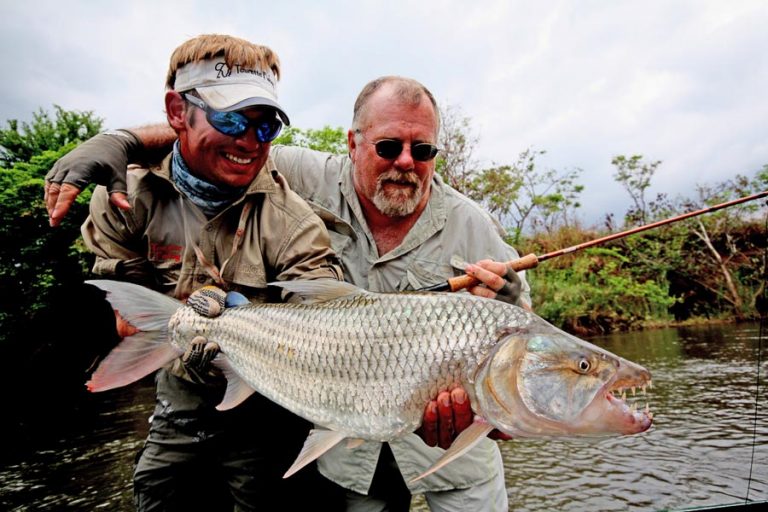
point(102, 159)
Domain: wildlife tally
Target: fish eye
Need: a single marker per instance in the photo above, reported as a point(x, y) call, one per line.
point(584, 365)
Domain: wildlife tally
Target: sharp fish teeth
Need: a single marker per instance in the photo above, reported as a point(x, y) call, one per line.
point(624, 395)
point(650, 384)
point(633, 408)
point(633, 390)
point(643, 388)
point(647, 409)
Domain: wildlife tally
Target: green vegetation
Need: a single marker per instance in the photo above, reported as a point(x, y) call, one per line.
point(711, 267)
point(37, 262)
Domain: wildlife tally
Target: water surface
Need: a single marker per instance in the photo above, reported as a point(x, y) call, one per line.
point(697, 453)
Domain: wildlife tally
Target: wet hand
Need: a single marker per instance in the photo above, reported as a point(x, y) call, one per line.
point(445, 418)
point(102, 159)
point(497, 281)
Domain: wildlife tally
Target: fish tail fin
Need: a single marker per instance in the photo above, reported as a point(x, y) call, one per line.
point(468, 438)
point(147, 348)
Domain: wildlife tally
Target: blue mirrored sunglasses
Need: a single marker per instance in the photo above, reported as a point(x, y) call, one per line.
point(235, 124)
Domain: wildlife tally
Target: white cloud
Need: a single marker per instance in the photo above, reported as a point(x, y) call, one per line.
point(682, 82)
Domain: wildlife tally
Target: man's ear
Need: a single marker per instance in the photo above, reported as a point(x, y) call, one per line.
point(351, 144)
point(176, 110)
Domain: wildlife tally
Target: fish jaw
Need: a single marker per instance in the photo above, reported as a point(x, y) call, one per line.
point(609, 413)
point(541, 382)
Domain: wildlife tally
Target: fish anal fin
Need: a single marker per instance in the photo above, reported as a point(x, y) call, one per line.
point(237, 389)
point(472, 435)
point(318, 442)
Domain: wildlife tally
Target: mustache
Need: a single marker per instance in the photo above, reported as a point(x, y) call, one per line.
point(408, 177)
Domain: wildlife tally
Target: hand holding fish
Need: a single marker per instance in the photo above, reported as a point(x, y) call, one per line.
point(448, 416)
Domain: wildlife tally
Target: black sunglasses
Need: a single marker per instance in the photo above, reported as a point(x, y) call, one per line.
point(235, 124)
point(389, 149)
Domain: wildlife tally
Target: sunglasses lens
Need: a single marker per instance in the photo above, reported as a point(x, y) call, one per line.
point(389, 148)
point(423, 152)
point(268, 131)
point(228, 123)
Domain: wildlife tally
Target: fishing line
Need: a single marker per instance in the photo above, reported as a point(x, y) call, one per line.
point(762, 306)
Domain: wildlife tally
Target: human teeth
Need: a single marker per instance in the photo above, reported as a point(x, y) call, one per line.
point(238, 160)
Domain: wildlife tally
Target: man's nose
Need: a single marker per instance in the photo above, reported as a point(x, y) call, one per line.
point(405, 159)
point(248, 139)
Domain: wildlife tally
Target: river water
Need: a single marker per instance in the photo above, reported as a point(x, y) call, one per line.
point(698, 453)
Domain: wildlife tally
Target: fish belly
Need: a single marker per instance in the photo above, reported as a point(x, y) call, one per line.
point(365, 366)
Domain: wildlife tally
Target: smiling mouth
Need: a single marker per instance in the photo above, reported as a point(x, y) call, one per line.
point(237, 159)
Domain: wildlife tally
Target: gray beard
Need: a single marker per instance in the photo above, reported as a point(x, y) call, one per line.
point(397, 204)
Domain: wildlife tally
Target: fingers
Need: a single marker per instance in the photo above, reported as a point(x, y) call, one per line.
point(445, 412)
point(428, 429)
point(462, 411)
point(58, 199)
point(489, 273)
point(120, 200)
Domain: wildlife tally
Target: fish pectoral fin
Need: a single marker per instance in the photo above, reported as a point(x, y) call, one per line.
point(461, 445)
point(237, 389)
point(318, 442)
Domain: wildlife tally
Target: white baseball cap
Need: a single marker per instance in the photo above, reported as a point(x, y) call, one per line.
point(228, 88)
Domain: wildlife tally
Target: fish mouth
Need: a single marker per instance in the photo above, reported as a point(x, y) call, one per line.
point(632, 419)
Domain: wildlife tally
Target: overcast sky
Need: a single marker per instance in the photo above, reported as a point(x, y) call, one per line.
point(684, 82)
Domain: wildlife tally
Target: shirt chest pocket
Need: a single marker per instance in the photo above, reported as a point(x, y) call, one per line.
point(423, 273)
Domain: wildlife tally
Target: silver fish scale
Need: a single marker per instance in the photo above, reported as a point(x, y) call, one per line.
point(364, 365)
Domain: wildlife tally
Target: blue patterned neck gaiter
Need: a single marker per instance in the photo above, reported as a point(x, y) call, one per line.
point(210, 198)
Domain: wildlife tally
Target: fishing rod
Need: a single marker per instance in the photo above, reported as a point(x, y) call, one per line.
point(532, 260)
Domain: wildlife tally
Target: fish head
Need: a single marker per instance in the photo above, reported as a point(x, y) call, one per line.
point(539, 381)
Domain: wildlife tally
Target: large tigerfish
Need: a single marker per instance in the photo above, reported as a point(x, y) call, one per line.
point(363, 365)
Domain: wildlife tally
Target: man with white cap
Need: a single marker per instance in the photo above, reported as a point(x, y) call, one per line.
point(215, 212)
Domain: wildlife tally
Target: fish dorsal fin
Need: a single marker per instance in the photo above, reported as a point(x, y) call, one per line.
point(237, 389)
point(472, 435)
point(318, 442)
point(318, 290)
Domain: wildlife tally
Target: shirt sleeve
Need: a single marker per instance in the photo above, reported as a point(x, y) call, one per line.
point(107, 233)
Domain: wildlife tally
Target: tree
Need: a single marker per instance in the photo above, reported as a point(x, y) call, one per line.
point(727, 254)
point(635, 176)
point(330, 140)
point(35, 261)
point(21, 141)
point(525, 195)
point(457, 142)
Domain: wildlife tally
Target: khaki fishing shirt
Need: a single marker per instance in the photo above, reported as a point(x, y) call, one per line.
point(269, 234)
point(452, 228)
